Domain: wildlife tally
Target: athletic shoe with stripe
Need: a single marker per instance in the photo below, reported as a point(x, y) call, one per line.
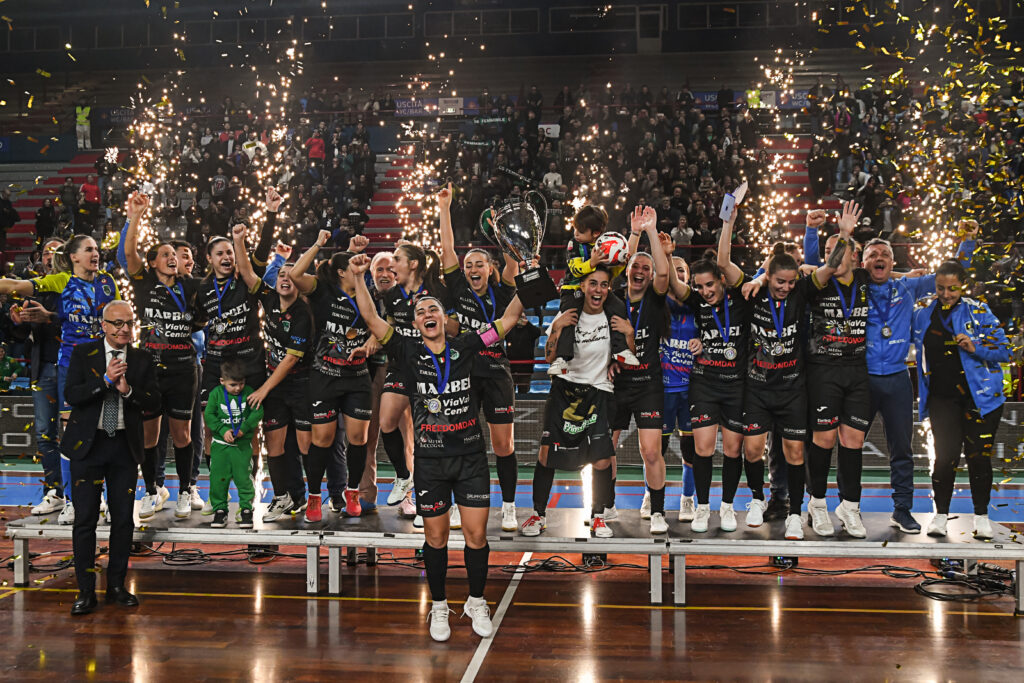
point(533, 525)
point(146, 507)
point(183, 508)
point(600, 529)
point(279, 507)
point(480, 614)
point(438, 619)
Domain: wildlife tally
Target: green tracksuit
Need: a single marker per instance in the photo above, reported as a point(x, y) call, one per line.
point(231, 460)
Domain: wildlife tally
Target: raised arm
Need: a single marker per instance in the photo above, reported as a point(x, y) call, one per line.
point(815, 219)
point(847, 222)
point(379, 327)
point(299, 273)
point(262, 251)
point(137, 205)
point(242, 264)
point(733, 274)
point(510, 318)
point(449, 259)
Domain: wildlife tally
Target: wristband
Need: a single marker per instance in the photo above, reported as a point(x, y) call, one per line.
point(107, 379)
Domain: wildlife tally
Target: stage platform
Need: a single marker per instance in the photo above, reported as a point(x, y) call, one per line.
point(566, 533)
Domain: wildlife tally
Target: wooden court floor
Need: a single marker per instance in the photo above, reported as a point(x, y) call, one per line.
point(238, 621)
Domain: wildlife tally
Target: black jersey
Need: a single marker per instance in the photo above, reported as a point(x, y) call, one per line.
point(340, 330)
point(839, 319)
point(647, 316)
point(721, 359)
point(474, 312)
point(233, 325)
point(445, 419)
point(287, 332)
point(400, 308)
point(777, 358)
point(166, 315)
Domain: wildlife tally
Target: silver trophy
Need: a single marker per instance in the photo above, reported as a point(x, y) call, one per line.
point(517, 225)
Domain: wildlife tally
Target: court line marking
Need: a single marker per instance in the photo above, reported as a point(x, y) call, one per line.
point(560, 605)
point(499, 614)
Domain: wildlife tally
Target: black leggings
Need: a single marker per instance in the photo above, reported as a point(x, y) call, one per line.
point(958, 428)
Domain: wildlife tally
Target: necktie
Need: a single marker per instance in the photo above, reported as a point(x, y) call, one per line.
point(110, 406)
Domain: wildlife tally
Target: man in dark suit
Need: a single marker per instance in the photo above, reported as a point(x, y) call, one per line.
point(109, 386)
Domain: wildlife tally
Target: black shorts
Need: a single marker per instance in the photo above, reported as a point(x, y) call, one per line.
point(771, 409)
point(644, 402)
point(394, 383)
point(288, 404)
point(177, 392)
point(577, 425)
point(437, 479)
point(838, 394)
point(329, 396)
point(497, 397)
point(211, 378)
point(716, 403)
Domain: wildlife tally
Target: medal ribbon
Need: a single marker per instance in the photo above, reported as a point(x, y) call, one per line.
point(640, 310)
point(401, 290)
point(888, 306)
point(442, 380)
point(718, 323)
point(354, 307)
point(231, 415)
point(947, 319)
point(180, 302)
point(847, 310)
point(780, 318)
point(220, 293)
point(489, 317)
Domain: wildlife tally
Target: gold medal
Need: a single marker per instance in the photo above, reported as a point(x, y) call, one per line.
point(351, 334)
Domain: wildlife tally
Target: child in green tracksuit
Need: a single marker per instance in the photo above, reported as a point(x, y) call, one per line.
point(233, 423)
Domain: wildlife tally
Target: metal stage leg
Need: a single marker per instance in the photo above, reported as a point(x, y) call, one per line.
point(679, 579)
point(1019, 609)
point(654, 564)
point(21, 562)
point(313, 569)
point(334, 570)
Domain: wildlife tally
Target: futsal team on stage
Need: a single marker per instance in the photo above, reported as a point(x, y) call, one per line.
point(410, 345)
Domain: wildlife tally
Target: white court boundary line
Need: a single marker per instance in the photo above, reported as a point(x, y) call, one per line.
point(485, 644)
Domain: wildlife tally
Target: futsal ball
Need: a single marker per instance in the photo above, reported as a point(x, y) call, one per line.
point(614, 246)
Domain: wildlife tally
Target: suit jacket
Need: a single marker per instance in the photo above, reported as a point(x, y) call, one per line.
point(85, 390)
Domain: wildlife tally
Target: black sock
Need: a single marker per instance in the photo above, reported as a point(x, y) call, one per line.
point(979, 473)
point(508, 476)
point(316, 465)
point(148, 472)
point(183, 465)
point(356, 455)
point(732, 470)
point(476, 569)
point(603, 490)
point(818, 462)
point(394, 446)
point(703, 468)
point(543, 480)
point(293, 466)
point(657, 499)
point(795, 478)
point(610, 500)
point(278, 476)
point(850, 461)
point(755, 477)
point(687, 449)
point(664, 445)
point(435, 561)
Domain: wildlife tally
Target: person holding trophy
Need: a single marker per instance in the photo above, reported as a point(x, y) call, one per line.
point(478, 298)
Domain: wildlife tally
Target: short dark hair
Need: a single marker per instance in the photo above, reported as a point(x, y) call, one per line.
point(591, 218)
point(232, 371)
point(952, 268)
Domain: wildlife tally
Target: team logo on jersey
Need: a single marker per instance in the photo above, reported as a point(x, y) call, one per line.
point(286, 325)
point(107, 290)
point(454, 354)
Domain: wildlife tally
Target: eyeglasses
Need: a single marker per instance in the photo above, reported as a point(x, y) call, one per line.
point(118, 324)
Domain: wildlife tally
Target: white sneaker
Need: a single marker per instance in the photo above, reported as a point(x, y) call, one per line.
point(610, 513)
point(399, 490)
point(600, 529)
point(417, 522)
point(645, 507)
point(146, 509)
point(937, 527)
point(183, 508)
point(207, 509)
point(728, 517)
point(700, 519)
point(508, 517)
point(51, 503)
point(438, 619)
point(455, 518)
point(407, 508)
point(558, 368)
point(195, 498)
point(686, 508)
point(820, 521)
point(794, 528)
point(627, 357)
point(67, 515)
point(983, 527)
point(279, 507)
point(849, 515)
point(658, 523)
point(755, 512)
point(104, 511)
point(478, 611)
point(162, 496)
point(533, 525)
